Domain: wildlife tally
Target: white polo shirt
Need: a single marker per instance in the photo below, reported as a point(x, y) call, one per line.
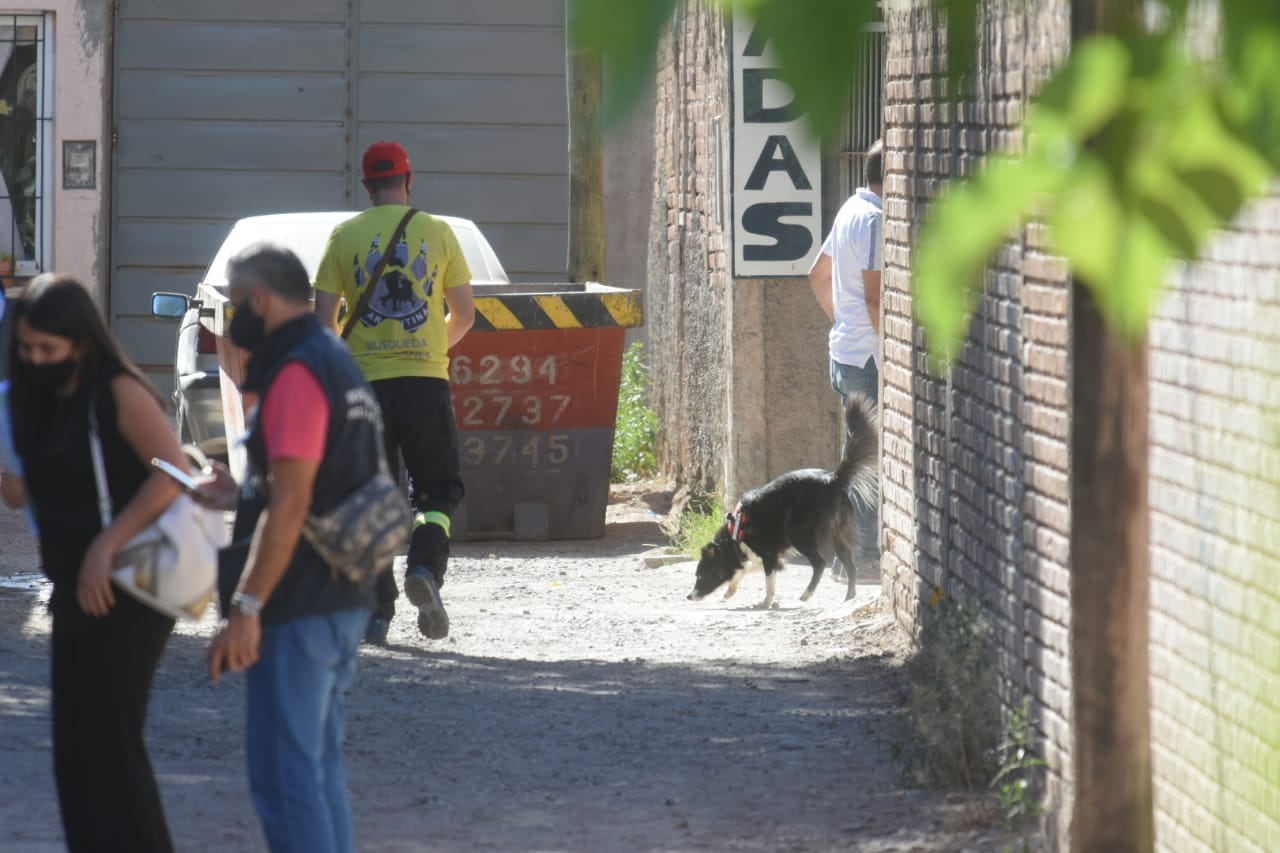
point(856, 243)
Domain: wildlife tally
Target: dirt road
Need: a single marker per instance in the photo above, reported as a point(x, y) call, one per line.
point(581, 704)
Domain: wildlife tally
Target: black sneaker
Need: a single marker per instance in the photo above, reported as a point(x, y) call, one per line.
point(375, 633)
point(421, 590)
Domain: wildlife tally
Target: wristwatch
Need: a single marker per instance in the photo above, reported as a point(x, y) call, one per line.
point(248, 605)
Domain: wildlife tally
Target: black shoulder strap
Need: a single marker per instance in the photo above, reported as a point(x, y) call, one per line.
point(363, 302)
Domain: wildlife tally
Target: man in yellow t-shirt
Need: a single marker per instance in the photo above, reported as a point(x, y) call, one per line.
point(401, 341)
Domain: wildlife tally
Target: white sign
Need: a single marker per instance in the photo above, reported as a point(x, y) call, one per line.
point(777, 167)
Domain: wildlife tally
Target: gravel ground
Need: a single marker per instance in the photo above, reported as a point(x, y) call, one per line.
point(580, 704)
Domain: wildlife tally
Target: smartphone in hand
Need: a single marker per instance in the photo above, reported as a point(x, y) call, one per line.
point(182, 478)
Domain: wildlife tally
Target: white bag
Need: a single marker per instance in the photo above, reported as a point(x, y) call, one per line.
point(172, 565)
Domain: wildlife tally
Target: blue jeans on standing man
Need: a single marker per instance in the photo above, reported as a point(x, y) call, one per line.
point(865, 380)
point(295, 730)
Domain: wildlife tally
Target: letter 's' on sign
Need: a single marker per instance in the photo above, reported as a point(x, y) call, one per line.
point(776, 173)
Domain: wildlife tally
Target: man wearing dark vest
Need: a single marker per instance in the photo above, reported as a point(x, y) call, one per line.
point(294, 624)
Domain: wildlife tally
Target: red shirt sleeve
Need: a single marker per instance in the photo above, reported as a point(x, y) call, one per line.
point(295, 415)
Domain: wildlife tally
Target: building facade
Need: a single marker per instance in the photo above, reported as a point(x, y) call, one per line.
point(976, 461)
point(134, 133)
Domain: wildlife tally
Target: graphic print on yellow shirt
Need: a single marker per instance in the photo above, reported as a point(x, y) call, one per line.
point(402, 330)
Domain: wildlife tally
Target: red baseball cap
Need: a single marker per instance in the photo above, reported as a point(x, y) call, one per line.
point(386, 160)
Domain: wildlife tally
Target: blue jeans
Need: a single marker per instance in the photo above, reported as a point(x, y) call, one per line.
point(295, 729)
point(865, 380)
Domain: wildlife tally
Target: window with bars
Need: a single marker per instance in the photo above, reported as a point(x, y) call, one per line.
point(26, 110)
point(865, 123)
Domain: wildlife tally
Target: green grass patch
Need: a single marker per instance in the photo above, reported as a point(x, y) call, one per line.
point(699, 522)
point(635, 435)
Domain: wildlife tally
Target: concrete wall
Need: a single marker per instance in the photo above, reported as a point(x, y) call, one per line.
point(1215, 538)
point(975, 461)
point(628, 200)
point(78, 38)
point(740, 366)
point(81, 111)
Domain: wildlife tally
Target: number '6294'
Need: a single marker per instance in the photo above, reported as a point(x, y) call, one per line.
point(492, 370)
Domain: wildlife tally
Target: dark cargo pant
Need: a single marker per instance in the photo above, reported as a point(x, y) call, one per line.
point(418, 427)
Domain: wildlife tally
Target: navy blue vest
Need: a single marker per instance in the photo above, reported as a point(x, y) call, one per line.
point(352, 445)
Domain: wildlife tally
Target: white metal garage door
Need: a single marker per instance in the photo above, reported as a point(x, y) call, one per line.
point(241, 107)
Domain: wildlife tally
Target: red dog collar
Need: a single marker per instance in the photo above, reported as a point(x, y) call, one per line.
point(737, 521)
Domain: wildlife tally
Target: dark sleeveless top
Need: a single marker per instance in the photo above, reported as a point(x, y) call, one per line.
point(58, 472)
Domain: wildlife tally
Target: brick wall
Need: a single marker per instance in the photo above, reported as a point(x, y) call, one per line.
point(1215, 533)
point(725, 353)
point(975, 461)
point(687, 297)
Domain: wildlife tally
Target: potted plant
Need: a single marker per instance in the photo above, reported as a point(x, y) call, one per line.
point(6, 269)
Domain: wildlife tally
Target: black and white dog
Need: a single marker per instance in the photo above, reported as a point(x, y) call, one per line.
point(808, 510)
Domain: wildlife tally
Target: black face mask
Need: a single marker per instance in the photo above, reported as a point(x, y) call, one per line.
point(48, 378)
point(247, 328)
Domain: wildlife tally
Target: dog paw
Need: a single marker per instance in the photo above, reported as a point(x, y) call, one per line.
point(805, 596)
point(730, 592)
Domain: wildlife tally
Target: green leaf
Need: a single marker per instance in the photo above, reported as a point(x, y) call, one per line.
point(1246, 27)
point(820, 47)
point(1113, 249)
point(1087, 220)
point(1086, 92)
point(1137, 279)
point(1216, 188)
point(962, 40)
point(626, 33)
point(965, 226)
point(1181, 235)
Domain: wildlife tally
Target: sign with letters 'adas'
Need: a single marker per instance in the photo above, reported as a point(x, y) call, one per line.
point(776, 172)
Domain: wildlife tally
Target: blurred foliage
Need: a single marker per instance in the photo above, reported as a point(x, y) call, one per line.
point(1134, 153)
point(635, 436)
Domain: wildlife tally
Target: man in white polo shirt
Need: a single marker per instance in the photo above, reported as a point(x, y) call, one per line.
point(846, 280)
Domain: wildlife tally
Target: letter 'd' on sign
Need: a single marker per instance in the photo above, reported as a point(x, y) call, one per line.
point(776, 168)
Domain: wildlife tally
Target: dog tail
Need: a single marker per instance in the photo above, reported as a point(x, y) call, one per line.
point(858, 467)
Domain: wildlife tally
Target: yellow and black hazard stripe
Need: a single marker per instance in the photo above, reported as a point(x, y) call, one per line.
point(533, 311)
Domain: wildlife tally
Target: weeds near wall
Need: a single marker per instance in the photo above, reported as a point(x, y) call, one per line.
point(1015, 783)
point(635, 436)
point(699, 522)
point(950, 734)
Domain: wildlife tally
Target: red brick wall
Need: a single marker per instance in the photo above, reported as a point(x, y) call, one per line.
point(687, 297)
point(975, 460)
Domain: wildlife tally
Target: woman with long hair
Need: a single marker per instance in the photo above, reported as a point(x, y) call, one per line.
point(64, 365)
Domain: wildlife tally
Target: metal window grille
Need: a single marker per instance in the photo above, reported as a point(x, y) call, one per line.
point(865, 123)
point(26, 110)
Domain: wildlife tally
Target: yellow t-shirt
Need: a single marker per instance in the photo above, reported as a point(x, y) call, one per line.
point(402, 331)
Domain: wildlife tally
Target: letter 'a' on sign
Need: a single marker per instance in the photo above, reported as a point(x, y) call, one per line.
point(778, 156)
point(776, 166)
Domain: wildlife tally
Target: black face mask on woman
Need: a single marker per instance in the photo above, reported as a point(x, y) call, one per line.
point(48, 378)
point(247, 328)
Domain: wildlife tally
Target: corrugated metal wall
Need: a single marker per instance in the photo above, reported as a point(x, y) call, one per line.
point(240, 107)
